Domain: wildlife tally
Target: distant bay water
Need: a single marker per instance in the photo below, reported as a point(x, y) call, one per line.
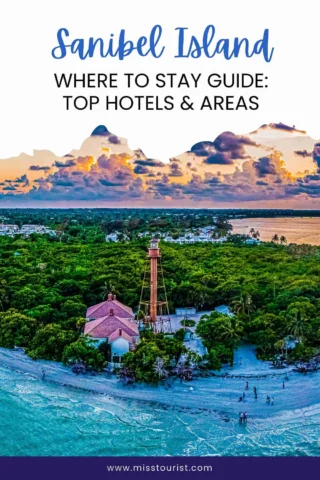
point(295, 229)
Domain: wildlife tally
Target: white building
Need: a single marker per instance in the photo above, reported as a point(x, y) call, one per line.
point(186, 311)
point(120, 343)
point(113, 322)
point(219, 240)
point(28, 229)
point(252, 241)
point(204, 237)
point(144, 234)
point(25, 230)
point(112, 237)
point(191, 238)
point(8, 229)
point(169, 239)
point(225, 310)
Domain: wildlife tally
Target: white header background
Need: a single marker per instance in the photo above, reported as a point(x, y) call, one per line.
point(33, 114)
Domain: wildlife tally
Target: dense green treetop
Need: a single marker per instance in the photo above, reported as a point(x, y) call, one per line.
point(273, 290)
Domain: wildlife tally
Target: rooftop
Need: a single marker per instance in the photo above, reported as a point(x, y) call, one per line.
point(106, 326)
point(120, 333)
point(111, 304)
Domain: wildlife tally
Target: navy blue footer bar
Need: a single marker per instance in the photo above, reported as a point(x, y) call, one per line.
point(217, 468)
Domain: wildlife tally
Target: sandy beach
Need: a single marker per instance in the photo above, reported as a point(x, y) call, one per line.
point(66, 415)
point(218, 394)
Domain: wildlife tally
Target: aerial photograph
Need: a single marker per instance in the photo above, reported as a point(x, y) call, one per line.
point(162, 308)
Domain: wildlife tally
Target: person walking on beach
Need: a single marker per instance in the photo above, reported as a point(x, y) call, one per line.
point(272, 401)
point(243, 417)
point(268, 399)
point(283, 384)
point(43, 373)
point(255, 392)
point(247, 385)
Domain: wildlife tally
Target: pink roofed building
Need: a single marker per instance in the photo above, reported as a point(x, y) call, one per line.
point(103, 309)
point(114, 323)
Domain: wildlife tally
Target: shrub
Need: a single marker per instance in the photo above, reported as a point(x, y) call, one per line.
point(188, 323)
point(49, 342)
point(85, 351)
point(16, 329)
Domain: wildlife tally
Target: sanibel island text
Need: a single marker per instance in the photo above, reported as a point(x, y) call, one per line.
point(188, 45)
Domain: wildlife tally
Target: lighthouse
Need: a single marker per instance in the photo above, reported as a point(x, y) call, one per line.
point(154, 255)
point(153, 301)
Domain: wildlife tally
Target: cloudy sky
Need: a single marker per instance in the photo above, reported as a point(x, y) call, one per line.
point(172, 158)
point(275, 166)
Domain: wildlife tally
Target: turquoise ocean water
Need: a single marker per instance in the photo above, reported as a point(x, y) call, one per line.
point(39, 418)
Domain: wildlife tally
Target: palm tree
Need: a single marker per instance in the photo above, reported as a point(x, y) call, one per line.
point(283, 239)
point(252, 232)
point(298, 325)
point(244, 304)
point(229, 333)
point(275, 238)
point(106, 289)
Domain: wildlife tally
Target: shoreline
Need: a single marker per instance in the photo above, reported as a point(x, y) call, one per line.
point(218, 394)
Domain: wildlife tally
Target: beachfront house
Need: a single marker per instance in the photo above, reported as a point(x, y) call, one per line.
point(112, 322)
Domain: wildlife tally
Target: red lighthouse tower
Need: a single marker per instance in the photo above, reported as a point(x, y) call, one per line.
point(154, 256)
point(153, 301)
